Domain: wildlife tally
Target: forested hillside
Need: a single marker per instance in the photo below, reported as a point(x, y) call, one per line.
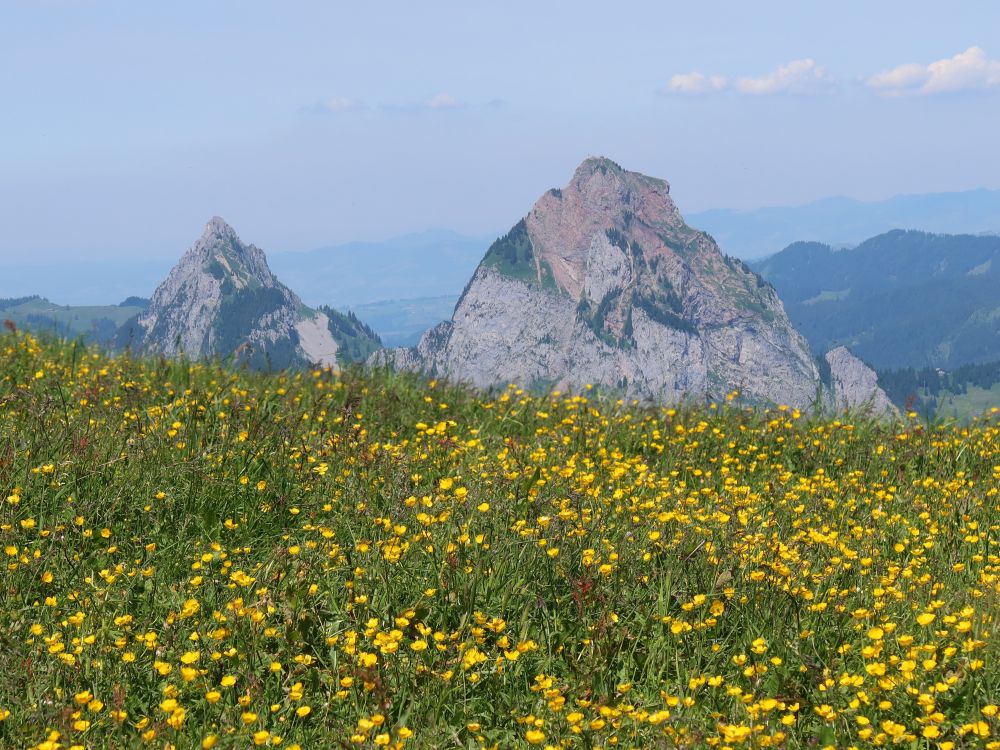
point(901, 299)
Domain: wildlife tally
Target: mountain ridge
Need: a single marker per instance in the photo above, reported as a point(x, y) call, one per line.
point(841, 221)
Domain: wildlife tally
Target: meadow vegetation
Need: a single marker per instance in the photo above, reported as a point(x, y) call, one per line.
point(199, 557)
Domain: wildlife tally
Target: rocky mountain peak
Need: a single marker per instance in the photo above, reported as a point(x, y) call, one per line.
point(603, 282)
point(217, 235)
point(221, 299)
point(603, 204)
point(626, 196)
point(854, 385)
point(216, 227)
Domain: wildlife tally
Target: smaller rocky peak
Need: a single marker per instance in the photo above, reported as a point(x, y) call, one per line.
point(216, 227)
point(855, 385)
point(216, 237)
point(221, 299)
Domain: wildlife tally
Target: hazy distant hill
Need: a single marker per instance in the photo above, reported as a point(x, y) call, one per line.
point(845, 221)
point(82, 282)
point(401, 322)
point(97, 324)
point(427, 264)
point(901, 299)
point(402, 286)
point(424, 264)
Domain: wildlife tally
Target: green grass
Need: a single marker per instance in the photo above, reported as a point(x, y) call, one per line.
point(193, 554)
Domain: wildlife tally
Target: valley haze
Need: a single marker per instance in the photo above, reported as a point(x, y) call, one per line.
point(436, 262)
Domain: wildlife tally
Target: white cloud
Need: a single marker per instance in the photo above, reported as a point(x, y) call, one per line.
point(442, 101)
point(797, 77)
point(695, 83)
point(908, 77)
point(967, 71)
point(337, 105)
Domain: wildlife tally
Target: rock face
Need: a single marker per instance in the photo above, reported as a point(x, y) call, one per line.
point(603, 283)
point(854, 385)
point(221, 300)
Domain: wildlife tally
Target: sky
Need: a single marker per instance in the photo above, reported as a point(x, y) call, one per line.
point(124, 126)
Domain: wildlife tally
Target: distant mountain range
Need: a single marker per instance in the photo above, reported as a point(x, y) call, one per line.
point(426, 264)
point(438, 262)
point(423, 264)
point(404, 285)
point(843, 222)
point(900, 299)
point(401, 322)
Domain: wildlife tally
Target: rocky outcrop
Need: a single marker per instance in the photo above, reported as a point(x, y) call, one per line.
point(853, 385)
point(603, 283)
point(315, 339)
point(221, 300)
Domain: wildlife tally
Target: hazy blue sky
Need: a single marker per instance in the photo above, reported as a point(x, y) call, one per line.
point(125, 125)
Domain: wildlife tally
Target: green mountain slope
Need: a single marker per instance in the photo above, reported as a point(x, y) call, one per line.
point(901, 299)
point(355, 340)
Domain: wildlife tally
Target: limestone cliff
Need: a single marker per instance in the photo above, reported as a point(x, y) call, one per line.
point(221, 300)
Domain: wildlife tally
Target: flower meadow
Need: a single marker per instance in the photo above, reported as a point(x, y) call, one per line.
point(199, 557)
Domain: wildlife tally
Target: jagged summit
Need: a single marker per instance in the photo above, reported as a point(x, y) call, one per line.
point(217, 226)
point(600, 197)
point(224, 254)
point(217, 234)
point(221, 299)
point(606, 167)
point(603, 282)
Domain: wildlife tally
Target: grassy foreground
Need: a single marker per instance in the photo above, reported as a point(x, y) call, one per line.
point(194, 557)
